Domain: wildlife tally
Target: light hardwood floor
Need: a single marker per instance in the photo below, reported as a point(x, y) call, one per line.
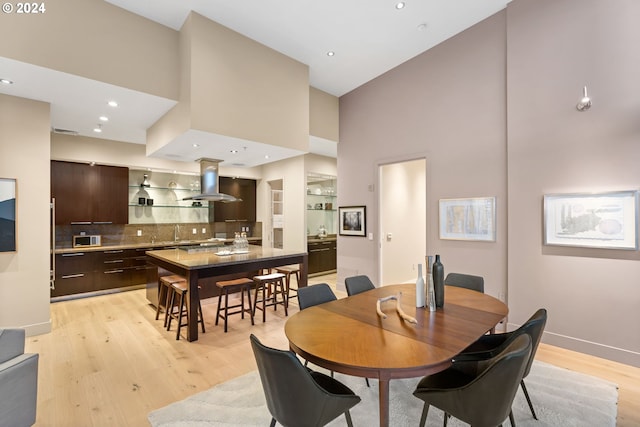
point(108, 362)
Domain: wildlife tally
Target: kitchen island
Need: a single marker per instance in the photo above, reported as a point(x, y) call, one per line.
point(202, 264)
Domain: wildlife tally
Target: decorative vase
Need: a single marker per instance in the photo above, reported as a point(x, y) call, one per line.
point(438, 282)
point(420, 288)
point(431, 296)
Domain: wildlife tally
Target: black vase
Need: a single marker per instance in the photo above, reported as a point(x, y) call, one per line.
point(438, 282)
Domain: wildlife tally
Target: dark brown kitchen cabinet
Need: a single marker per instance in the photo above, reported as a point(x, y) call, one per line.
point(245, 210)
point(89, 194)
point(322, 256)
point(75, 273)
point(95, 271)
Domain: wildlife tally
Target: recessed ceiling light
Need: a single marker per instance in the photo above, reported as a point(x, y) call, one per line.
point(331, 53)
point(6, 82)
point(422, 26)
point(266, 156)
point(104, 118)
point(196, 145)
point(400, 5)
point(112, 103)
point(234, 151)
point(98, 128)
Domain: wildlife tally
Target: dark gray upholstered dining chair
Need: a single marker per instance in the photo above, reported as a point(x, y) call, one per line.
point(311, 295)
point(478, 393)
point(490, 345)
point(475, 283)
point(297, 396)
point(357, 284)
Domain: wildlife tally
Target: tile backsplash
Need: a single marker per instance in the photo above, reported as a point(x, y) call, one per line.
point(151, 233)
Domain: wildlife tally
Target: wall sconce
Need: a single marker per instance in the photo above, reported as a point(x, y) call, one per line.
point(585, 103)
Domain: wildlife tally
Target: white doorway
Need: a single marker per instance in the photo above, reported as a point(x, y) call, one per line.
point(402, 202)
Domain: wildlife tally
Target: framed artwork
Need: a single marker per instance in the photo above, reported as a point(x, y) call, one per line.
point(7, 215)
point(592, 220)
point(468, 219)
point(353, 220)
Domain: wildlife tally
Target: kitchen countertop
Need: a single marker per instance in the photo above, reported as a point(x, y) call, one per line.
point(316, 239)
point(67, 250)
point(207, 259)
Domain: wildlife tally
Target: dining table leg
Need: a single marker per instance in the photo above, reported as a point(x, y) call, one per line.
point(383, 390)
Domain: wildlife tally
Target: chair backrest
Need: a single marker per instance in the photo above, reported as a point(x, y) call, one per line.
point(486, 400)
point(293, 397)
point(534, 327)
point(311, 295)
point(357, 284)
point(491, 394)
point(475, 283)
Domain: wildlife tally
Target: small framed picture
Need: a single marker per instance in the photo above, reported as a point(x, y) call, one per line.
point(353, 220)
point(468, 219)
point(8, 240)
point(592, 220)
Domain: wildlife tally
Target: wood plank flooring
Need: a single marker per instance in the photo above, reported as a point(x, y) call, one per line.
point(108, 362)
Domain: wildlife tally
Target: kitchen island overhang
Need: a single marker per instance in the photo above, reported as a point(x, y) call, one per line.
point(200, 265)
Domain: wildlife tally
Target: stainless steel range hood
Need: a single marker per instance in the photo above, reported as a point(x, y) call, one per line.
point(209, 183)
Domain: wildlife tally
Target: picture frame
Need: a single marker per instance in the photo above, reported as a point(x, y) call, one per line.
point(353, 220)
point(8, 228)
point(468, 219)
point(607, 220)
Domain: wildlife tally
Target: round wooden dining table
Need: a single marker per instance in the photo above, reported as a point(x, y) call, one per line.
point(350, 336)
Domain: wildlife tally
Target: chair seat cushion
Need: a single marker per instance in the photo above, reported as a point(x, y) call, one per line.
point(330, 384)
point(272, 276)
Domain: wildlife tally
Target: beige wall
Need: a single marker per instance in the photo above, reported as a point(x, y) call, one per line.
point(109, 152)
point(96, 40)
point(554, 49)
point(528, 64)
point(446, 105)
point(291, 172)
point(24, 155)
point(324, 115)
point(236, 87)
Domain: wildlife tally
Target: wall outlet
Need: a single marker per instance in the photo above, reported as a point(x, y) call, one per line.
point(204, 230)
point(194, 231)
point(139, 233)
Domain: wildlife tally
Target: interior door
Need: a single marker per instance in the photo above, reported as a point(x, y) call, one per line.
point(403, 220)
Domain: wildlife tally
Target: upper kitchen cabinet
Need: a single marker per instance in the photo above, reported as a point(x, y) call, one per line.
point(244, 210)
point(89, 194)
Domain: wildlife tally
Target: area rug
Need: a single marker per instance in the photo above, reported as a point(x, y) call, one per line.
point(560, 397)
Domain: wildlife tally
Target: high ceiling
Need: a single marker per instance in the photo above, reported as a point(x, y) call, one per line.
point(367, 37)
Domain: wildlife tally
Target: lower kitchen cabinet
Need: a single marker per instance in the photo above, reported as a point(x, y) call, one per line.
point(322, 256)
point(92, 271)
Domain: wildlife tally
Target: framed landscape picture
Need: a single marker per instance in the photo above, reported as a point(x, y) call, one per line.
point(593, 220)
point(468, 219)
point(7, 215)
point(352, 220)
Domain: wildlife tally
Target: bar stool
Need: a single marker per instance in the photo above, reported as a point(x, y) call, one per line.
point(164, 294)
point(232, 286)
point(181, 289)
point(288, 270)
point(270, 285)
